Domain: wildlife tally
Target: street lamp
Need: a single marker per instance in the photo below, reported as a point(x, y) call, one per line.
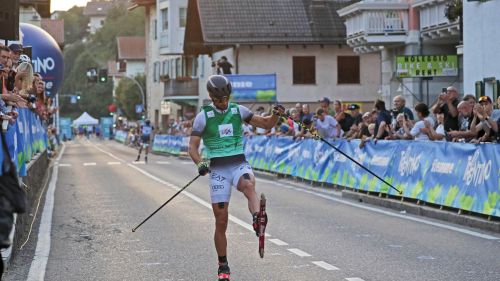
point(142, 93)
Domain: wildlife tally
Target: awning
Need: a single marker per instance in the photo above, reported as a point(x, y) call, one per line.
point(183, 100)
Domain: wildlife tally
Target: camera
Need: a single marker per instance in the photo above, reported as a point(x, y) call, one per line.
point(32, 100)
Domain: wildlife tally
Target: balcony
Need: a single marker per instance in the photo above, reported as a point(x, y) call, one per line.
point(181, 86)
point(434, 25)
point(370, 24)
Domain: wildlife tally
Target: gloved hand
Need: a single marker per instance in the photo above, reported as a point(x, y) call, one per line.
point(279, 110)
point(203, 168)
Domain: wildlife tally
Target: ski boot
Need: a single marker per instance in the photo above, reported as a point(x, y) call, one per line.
point(138, 157)
point(260, 223)
point(224, 272)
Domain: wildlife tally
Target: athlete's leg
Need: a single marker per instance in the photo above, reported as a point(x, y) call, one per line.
point(140, 151)
point(246, 185)
point(221, 218)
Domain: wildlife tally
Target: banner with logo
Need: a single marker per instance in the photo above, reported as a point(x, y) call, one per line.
point(253, 87)
point(458, 175)
point(426, 66)
point(24, 138)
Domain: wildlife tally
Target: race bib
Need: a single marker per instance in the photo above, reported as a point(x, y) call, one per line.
point(234, 111)
point(226, 130)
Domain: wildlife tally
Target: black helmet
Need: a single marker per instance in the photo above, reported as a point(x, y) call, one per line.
point(147, 122)
point(219, 86)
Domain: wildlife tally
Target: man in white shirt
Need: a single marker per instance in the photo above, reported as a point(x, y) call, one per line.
point(326, 125)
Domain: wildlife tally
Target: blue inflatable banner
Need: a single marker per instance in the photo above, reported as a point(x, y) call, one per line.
point(253, 87)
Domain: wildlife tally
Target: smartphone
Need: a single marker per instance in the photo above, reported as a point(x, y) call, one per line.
point(443, 90)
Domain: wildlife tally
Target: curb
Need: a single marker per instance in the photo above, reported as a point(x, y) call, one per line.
point(425, 211)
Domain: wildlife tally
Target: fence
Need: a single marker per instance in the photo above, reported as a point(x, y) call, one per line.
point(457, 175)
point(25, 138)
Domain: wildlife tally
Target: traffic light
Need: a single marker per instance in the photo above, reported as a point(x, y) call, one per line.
point(78, 97)
point(103, 75)
point(92, 75)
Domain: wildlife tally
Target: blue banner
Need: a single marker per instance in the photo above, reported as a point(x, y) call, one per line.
point(253, 87)
point(106, 126)
point(24, 138)
point(458, 175)
point(65, 130)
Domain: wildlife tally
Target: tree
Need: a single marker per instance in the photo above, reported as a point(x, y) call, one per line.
point(95, 52)
point(75, 24)
point(128, 95)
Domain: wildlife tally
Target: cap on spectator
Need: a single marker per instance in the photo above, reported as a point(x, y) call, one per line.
point(307, 121)
point(17, 48)
point(484, 98)
point(353, 106)
point(366, 114)
point(325, 99)
point(320, 111)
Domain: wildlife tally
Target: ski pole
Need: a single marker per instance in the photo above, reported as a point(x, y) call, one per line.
point(189, 183)
point(341, 152)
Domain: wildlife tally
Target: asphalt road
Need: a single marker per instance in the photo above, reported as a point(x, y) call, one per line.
point(101, 194)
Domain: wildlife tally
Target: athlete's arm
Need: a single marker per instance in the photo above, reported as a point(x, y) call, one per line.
point(194, 145)
point(267, 122)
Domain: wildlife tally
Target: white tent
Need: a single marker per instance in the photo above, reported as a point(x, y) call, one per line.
point(85, 119)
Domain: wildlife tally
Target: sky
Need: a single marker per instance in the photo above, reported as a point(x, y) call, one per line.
point(64, 5)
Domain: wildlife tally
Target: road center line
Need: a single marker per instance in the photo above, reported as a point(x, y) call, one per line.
point(278, 242)
point(90, 164)
point(325, 265)
point(299, 252)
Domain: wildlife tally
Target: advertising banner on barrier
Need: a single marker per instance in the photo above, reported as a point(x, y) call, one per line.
point(253, 87)
point(458, 175)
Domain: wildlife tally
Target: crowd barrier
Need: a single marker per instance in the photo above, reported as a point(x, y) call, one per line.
point(458, 175)
point(25, 138)
point(121, 136)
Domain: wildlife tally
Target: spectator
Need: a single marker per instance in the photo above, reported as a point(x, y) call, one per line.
point(310, 132)
point(496, 112)
point(4, 54)
point(419, 130)
point(465, 118)
point(298, 108)
point(326, 125)
point(485, 127)
point(383, 119)
point(16, 51)
point(223, 66)
point(399, 104)
point(356, 115)
point(24, 82)
point(345, 119)
point(325, 105)
point(470, 98)
point(402, 125)
point(437, 134)
point(306, 113)
point(447, 104)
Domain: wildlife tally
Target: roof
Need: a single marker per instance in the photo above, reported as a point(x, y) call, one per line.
point(228, 22)
point(131, 47)
point(99, 8)
point(141, 3)
point(41, 6)
point(55, 28)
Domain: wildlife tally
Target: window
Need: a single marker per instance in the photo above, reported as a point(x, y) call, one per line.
point(155, 29)
point(348, 70)
point(182, 17)
point(304, 70)
point(156, 71)
point(164, 19)
point(178, 65)
point(164, 70)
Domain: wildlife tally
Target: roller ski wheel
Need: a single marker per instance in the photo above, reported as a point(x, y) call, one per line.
point(262, 223)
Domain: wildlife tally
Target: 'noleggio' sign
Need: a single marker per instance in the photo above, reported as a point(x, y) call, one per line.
point(426, 66)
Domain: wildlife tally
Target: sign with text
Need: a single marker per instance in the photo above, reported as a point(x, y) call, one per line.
point(253, 87)
point(426, 66)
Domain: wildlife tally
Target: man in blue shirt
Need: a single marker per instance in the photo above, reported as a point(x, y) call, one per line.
point(146, 132)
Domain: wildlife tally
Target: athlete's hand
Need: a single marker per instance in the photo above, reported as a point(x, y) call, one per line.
point(279, 110)
point(203, 168)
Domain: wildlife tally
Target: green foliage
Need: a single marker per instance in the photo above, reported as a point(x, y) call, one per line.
point(128, 95)
point(75, 24)
point(96, 52)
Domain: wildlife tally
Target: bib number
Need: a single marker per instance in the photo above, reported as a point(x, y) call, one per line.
point(226, 130)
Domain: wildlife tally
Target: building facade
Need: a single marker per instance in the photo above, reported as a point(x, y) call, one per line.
point(419, 29)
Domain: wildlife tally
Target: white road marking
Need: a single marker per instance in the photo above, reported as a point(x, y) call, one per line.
point(90, 164)
point(354, 279)
point(278, 242)
point(388, 213)
point(299, 253)
point(64, 165)
point(187, 163)
point(163, 162)
point(325, 265)
point(42, 251)
point(138, 162)
point(114, 163)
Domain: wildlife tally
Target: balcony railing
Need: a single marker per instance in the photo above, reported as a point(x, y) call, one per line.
point(433, 21)
point(375, 22)
point(181, 86)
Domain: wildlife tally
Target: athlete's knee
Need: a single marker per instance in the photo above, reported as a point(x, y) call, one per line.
point(246, 182)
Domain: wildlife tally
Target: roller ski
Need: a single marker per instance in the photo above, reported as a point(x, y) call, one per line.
point(260, 223)
point(224, 272)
